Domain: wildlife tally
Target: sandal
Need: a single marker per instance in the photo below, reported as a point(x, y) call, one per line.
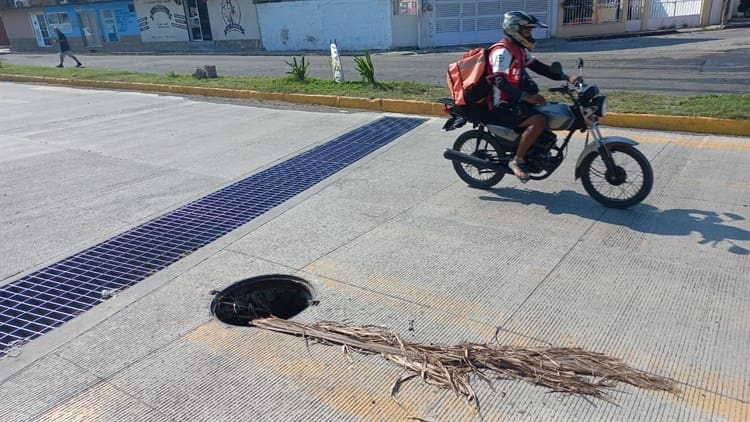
point(519, 166)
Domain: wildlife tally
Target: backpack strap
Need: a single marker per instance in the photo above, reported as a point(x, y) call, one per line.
point(514, 50)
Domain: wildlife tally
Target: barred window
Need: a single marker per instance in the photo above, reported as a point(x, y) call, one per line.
point(576, 12)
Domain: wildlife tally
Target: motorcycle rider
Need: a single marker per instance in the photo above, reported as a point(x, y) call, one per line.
point(514, 94)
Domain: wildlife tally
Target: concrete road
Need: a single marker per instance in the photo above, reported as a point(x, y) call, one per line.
point(394, 239)
point(684, 63)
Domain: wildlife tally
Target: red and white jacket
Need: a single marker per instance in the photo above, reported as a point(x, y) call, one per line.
point(508, 59)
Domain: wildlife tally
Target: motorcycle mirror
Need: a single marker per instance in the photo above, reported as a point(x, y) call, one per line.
point(580, 63)
point(556, 68)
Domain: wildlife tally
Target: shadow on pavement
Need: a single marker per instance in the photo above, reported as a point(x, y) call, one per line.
point(711, 225)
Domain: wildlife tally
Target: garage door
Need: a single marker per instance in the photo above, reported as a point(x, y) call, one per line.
point(479, 22)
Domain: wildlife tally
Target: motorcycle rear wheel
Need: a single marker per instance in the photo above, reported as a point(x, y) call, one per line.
point(630, 184)
point(481, 145)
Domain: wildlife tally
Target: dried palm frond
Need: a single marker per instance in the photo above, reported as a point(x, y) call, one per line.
point(561, 369)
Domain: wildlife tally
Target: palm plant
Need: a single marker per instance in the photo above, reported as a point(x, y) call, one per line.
point(365, 68)
point(298, 70)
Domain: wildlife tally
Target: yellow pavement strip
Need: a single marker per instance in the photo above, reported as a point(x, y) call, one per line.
point(739, 145)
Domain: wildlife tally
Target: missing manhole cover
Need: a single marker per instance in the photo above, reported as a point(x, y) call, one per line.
point(279, 295)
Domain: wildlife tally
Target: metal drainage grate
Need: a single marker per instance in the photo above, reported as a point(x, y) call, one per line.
point(282, 296)
point(47, 298)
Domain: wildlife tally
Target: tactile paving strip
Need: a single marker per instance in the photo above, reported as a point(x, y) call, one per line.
point(47, 298)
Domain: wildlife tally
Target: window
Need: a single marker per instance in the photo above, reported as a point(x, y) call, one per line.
point(404, 7)
point(59, 20)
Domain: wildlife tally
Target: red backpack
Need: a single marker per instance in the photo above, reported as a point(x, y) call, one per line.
point(468, 78)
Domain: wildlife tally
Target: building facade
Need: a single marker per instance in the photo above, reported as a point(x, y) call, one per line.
point(310, 25)
point(133, 25)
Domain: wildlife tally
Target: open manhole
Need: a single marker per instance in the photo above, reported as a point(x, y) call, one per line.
point(279, 295)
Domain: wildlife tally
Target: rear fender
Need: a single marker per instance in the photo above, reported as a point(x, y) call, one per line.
point(593, 148)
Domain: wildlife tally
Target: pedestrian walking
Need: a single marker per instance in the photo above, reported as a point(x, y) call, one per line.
point(65, 48)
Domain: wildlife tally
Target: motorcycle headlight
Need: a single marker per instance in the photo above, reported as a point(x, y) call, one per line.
point(601, 106)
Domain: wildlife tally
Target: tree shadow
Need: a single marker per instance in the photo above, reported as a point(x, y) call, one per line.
point(711, 225)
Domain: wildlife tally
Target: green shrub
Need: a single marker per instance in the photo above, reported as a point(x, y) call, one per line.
point(171, 74)
point(365, 68)
point(298, 70)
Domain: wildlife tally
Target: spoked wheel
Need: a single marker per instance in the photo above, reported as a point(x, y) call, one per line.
point(480, 145)
point(628, 185)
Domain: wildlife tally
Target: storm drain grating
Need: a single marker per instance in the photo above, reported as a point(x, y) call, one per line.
point(45, 299)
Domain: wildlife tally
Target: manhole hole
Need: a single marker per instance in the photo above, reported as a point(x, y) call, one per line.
point(279, 295)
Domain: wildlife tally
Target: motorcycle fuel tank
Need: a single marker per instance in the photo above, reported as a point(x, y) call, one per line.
point(559, 115)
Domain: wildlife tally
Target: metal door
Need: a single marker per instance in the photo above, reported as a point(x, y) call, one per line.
point(92, 37)
point(673, 14)
point(480, 22)
point(41, 29)
point(198, 22)
point(110, 25)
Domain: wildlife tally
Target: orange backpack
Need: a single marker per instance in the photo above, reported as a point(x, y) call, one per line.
point(468, 79)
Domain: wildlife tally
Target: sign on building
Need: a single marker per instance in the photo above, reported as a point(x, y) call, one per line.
point(161, 20)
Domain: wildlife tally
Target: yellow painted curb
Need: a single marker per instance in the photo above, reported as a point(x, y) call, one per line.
point(679, 123)
point(271, 96)
point(360, 103)
point(639, 121)
point(407, 106)
point(313, 99)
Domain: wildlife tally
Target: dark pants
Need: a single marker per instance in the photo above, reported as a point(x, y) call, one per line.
point(508, 115)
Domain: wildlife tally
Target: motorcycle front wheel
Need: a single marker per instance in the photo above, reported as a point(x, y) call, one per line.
point(481, 145)
point(629, 183)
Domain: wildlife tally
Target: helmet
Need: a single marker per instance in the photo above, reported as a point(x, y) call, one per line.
point(513, 22)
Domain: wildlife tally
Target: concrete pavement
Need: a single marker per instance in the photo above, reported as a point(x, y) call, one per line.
point(394, 239)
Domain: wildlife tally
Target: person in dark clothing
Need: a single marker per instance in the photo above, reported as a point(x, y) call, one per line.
point(65, 48)
point(514, 94)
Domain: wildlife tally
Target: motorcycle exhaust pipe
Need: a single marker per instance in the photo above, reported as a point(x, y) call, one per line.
point(454, 155)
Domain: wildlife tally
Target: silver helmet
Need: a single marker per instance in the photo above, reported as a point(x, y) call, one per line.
point(513, 22)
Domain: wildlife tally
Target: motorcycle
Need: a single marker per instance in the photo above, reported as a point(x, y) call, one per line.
point(612, 170)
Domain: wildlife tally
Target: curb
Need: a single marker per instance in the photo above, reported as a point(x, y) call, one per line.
point(705, 125)
point(693, 124)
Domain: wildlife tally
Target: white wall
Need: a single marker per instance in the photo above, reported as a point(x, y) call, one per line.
point(715, 14)
point(404, 31)
point(311, 25)
point(228, 26)
point(426, 24)
point(161, 20)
